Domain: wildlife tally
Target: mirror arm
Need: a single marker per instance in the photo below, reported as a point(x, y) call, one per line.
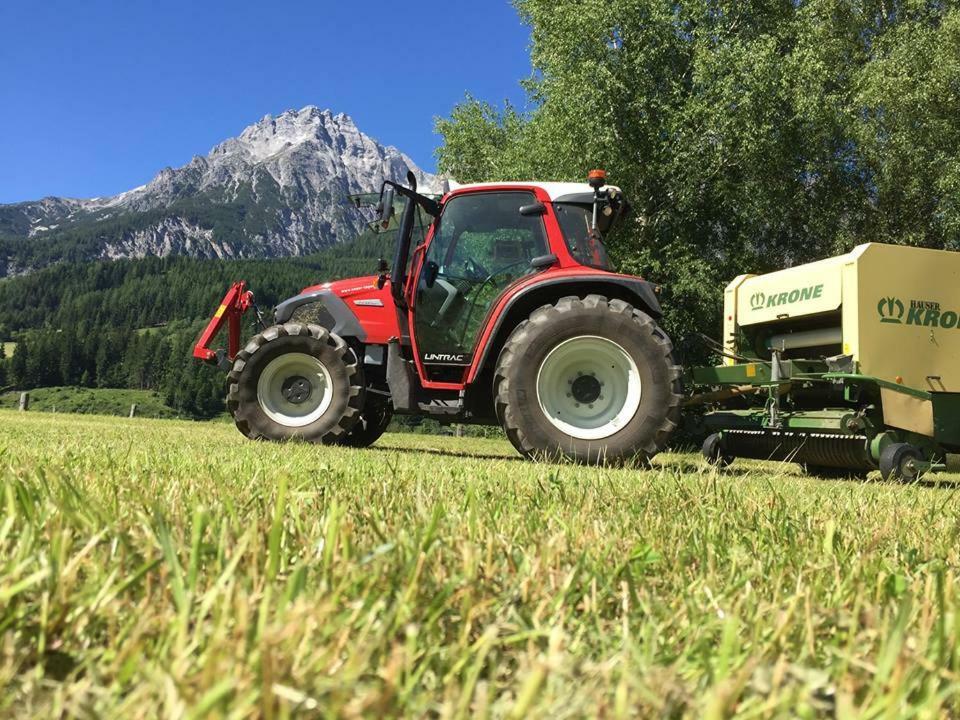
point(542, 261)
point(431, 207)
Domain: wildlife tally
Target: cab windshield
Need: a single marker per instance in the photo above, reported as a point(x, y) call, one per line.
point(585, 246)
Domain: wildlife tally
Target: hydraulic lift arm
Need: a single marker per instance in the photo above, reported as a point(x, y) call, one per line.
point(234, 304)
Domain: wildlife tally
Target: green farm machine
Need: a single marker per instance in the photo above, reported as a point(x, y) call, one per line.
point(845, 365)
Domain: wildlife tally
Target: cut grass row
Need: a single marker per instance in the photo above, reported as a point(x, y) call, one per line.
point(159, 568)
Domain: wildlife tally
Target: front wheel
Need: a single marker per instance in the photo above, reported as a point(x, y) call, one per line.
point(590, 380)
point(295, 381)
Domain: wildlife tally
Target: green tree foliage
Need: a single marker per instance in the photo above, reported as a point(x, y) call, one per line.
point(749, 134)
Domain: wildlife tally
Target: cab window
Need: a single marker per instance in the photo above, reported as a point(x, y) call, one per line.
point(585, 247)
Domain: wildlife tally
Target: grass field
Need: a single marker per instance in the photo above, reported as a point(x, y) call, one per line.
point(100, 401)
point(156, 568)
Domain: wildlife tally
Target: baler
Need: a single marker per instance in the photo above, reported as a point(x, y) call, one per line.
point(844, 365)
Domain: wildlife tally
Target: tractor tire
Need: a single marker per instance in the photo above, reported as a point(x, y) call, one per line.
point(589, 380)
point(374, 418)
point(295, 382)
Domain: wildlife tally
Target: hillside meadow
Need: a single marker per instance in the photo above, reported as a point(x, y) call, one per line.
point(158, 568)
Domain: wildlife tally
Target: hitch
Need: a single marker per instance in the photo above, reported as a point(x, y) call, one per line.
point(234, 304)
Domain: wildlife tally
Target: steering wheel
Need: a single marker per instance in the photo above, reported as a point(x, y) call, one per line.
point(475, 291)
point(476, 270)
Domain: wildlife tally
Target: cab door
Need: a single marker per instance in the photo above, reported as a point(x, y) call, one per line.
point(481, 244)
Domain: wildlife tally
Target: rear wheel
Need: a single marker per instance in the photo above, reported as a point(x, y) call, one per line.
point(374, 419)
point(591, 380)
point(295, 381)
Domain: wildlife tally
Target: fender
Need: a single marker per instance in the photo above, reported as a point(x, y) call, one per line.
point(546, 289)
point(324, 308)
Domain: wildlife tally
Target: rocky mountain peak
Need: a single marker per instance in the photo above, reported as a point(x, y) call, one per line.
point(280, 187)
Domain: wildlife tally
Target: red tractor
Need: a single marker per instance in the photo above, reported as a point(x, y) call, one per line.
point(502, 309)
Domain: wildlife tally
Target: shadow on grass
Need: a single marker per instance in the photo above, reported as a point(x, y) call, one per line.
point(446, 453)
point(790, 472)
point(670, 466)
point(694, 467)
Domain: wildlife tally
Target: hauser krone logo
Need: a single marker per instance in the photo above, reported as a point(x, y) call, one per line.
point(757, 300)
point(925, 313)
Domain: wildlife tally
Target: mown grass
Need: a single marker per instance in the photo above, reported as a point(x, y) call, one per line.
point(169, 569)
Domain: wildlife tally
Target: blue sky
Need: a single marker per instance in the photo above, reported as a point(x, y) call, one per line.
point(97, 96)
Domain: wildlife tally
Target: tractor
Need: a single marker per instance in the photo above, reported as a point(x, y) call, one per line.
point(500, 308)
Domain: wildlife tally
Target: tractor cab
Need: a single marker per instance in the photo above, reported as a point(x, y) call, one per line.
point(484, 239)
point(438, 331)
point(481, 244)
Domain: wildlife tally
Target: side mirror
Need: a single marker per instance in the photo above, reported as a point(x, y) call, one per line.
point(385, 208)
point(533, 209)
point(430, 271)
point(382, 269)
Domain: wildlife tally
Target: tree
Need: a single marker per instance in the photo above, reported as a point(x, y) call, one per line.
point(19, 375)
point(749, 135)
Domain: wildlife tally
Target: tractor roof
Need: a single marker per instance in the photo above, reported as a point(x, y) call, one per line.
point(558, 191)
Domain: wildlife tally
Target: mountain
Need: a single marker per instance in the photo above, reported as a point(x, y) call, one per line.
point(280, 188)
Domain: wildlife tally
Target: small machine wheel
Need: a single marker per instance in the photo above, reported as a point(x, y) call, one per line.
point(591, 380)
point(712, 450)
point(374, 418)
point(295, 381)
point(900, 462)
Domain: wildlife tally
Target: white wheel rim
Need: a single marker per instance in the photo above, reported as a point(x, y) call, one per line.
point(588, 387)
point(274, 389)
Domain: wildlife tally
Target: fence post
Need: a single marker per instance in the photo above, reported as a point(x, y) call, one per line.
point(24, 401)
point(133, 410)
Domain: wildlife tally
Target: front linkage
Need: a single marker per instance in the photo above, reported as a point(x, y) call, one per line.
point(233, 306)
